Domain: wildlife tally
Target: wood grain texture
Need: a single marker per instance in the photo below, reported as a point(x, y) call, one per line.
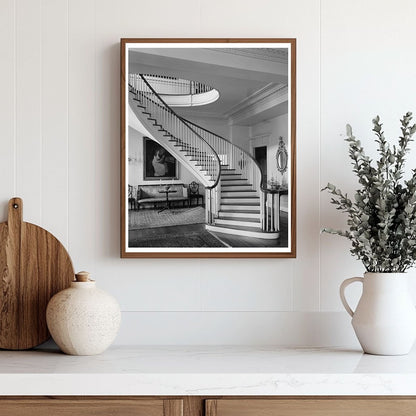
point(193, 406)
point(80, 407)
point(312, 407)
point(123, 129)
point(211, 407)
point(172, 407)
point(229, 406)
point(293, 147)
point(34, 266)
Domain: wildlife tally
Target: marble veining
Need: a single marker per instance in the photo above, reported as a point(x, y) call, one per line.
point(227, 370)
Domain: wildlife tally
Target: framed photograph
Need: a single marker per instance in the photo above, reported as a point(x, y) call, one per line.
point(158, 162)
point(208, 140)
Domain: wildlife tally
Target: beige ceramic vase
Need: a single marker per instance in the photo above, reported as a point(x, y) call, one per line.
point(82, 319)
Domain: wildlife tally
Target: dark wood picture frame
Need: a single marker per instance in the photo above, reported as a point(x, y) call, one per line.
point(290, 250)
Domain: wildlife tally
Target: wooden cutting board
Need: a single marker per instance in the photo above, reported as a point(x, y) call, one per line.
point(34, 266)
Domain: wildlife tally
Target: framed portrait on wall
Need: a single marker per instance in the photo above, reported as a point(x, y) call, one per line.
point(158, 162)
point(208, 161)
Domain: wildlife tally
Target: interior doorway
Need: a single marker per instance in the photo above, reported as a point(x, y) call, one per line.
point(260, 154)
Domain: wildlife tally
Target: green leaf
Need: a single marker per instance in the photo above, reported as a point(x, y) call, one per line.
point(382, 216)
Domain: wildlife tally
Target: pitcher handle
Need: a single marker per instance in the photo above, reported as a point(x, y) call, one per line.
point(342, 288)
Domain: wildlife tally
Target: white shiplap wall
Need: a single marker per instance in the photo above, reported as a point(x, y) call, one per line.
point(59, 118)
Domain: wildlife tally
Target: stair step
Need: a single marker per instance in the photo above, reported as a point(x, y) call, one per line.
point(199, 163)
point(239, 214)
point(225, 193)
point(234, 182)
point(184, 146)
point(241, 200)
point(254, 208)
point(204, 166)
point(237, 222)
point(205, 172)
point(139, 101)
point(185, 149)
point(254, 220)
point(192, 154)
point(225, 176)
point(243, 231)
point(231, 188)
point(247, 194)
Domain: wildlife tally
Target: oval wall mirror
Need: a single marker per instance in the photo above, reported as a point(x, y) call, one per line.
point(281, 156)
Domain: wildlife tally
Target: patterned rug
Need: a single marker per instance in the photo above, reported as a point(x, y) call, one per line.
point(151, 218)
point(183, 236)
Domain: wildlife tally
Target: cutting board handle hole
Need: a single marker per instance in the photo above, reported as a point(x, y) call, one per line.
point(15, 206)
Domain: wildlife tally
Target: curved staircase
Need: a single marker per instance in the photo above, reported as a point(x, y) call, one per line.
point(237, 203)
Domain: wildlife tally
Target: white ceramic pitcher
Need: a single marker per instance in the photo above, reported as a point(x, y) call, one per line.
point(385, 318)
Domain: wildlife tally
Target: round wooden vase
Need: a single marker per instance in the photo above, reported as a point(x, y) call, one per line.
point(82, 319)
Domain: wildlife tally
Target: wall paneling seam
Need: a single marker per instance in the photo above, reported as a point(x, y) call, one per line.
point(95, 228)
point(41, 111)
point(67, 126)
point(15, 100)
point(320, 148)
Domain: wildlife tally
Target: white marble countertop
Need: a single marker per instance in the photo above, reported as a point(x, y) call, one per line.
point(179, 370)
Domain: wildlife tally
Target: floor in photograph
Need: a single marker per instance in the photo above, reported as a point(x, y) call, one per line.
point(153, 218)
point(195, 235)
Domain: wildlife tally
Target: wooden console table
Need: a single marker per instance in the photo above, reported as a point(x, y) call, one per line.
point(207, 381)
point(196, 406)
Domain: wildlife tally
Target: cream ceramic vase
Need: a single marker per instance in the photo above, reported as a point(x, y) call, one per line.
point(385, 318)
point(82, 319)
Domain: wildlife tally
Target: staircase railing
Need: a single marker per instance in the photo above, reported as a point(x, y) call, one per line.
point(166, 85)
point(232, 155)
point(240, 160)
point(182, 134)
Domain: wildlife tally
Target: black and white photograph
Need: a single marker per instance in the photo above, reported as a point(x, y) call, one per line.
point(208, 148)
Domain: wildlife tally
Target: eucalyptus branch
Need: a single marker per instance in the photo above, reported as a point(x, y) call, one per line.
point(382, 215)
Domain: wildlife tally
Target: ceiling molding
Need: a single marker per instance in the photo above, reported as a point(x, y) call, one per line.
point(266, 54)
point(261, 136)
point(267, 97)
